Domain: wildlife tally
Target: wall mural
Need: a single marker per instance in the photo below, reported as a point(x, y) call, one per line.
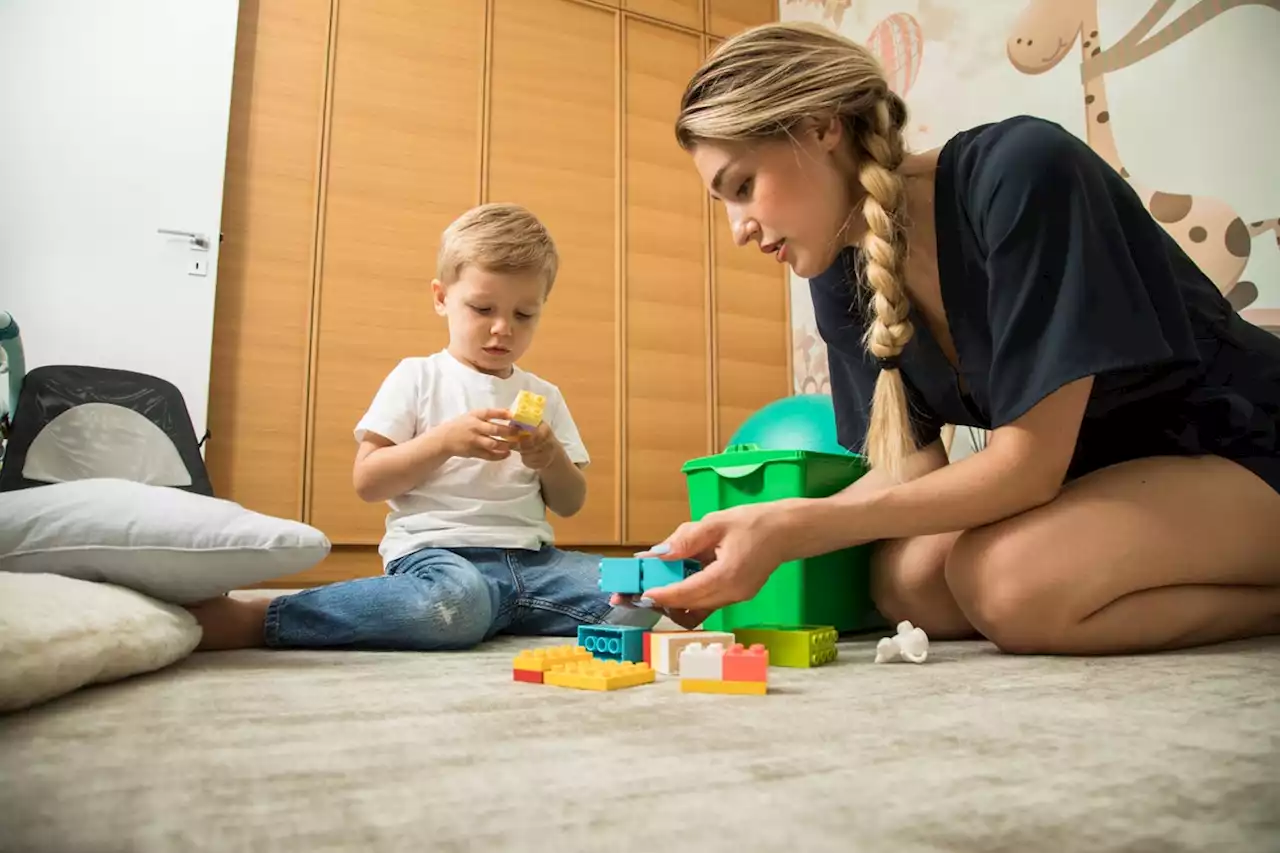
point(981, 59)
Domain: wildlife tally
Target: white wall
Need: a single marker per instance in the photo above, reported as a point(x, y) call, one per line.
point(114, 116)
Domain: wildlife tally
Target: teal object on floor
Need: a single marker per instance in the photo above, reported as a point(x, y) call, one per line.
point(801, 422)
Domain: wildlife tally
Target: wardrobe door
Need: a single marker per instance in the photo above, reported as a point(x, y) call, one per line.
point(262, 310)
point(668, 382)
point(728, 17)
point(553, 148)
point(686, 13)
point(403, 162)
point(752, 335)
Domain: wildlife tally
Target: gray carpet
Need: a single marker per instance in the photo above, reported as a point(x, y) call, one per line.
point(971, 751)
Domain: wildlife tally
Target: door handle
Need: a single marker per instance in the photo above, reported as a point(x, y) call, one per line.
point(198, 240)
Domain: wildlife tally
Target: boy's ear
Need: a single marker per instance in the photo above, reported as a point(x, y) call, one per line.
point(437, 295)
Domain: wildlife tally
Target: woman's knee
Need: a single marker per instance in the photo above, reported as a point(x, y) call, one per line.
point(908, 582)
point(999, 579)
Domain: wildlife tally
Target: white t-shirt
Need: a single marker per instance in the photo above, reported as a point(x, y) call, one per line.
point(465, 502)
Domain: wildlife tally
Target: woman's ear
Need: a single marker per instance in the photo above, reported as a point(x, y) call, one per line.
point(829, 132)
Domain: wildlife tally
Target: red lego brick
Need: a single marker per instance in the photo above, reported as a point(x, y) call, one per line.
point(527, 675)
point(741, 664)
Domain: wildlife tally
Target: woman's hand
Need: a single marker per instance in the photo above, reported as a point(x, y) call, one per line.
point(739, 548)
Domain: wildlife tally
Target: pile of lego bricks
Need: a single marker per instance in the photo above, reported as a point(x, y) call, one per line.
point(613, 657)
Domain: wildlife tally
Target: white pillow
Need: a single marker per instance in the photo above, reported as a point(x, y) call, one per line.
point(167, 543)
point(58, 634)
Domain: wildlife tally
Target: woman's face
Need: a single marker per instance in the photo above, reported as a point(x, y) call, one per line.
point(791, 196)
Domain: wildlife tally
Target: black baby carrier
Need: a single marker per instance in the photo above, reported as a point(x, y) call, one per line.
point(77, 423)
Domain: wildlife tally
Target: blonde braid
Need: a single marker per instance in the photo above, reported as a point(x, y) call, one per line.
point(890, 438)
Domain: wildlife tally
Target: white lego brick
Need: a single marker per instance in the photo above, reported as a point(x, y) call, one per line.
point(664, 649)
point(702, 662)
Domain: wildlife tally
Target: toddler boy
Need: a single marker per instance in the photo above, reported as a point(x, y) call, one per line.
point(468, 551)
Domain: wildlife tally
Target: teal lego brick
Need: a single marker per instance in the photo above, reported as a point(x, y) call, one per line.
point(634, 575)
point(621, 575)
point(655, 573)
point(613, 642)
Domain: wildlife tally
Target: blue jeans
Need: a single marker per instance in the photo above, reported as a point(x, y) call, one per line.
point(437, 599)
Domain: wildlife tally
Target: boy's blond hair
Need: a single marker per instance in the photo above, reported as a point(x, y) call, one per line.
point(497, 238)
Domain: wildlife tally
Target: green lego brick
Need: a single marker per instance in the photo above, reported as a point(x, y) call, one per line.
point(793, 645)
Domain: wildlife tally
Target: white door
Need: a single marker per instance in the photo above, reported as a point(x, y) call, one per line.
point(113, 126)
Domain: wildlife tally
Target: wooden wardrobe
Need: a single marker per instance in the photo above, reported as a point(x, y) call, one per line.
point(360, 129)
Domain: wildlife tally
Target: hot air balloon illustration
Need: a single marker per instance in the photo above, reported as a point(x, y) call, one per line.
point(898, 42)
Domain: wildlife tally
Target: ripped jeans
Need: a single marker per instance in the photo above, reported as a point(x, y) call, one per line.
point(438, 599)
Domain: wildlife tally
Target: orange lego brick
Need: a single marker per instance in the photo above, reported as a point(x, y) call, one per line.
point(527, 675)
point(742, 664)
point(541, 660)
point(738, 688)
point(599, 675)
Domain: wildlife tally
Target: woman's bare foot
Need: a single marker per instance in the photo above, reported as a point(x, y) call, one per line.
point(230, 623)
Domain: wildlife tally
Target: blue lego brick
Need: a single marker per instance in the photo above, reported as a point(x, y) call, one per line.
point(621, 575)
point(613, 642)
point(654, 573)
point(634, 575)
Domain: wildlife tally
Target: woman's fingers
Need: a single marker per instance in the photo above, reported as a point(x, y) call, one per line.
point(704, 590)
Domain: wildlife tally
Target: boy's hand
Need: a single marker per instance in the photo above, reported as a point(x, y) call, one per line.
point(538, 448)
point(474, 436)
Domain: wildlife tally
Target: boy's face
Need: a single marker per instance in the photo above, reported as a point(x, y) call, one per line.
point(492, 316)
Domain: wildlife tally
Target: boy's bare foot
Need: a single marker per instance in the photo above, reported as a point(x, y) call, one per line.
point(229, 623)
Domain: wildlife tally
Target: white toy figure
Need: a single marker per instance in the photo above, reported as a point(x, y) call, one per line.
point(911, 644)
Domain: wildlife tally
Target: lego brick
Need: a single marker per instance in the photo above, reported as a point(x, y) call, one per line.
point(655, 573)
point(667, 645)
point(599, 675)
point(528, 675)
point(738, 688)
point(701, 662)
point(526, 412)
point(613, 642)
point(794, 646)
point(540, 660)
point(621, 575)
point(635, 575)
point(743, 664)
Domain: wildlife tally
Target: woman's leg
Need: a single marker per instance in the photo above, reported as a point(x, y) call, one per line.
point(1153, 554)
point(908, 581)
point(429, 600)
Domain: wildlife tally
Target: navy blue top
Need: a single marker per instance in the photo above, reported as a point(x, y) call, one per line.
point(1052, 270)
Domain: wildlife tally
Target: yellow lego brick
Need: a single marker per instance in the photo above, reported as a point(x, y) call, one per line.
point(599, 675)
point(541, 660)
point(707, 685)
point(527, 410)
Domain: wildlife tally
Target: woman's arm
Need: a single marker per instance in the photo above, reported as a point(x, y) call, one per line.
point(1022, 467)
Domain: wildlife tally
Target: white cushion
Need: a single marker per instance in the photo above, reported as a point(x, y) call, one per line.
point(58, 634)
point(170, 544)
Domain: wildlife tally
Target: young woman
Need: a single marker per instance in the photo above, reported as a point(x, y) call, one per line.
point(1129, 496)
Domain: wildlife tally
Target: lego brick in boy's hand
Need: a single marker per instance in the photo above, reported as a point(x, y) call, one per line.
point(526, 413)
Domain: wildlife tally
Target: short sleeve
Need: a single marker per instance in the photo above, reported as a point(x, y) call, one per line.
point(853, 371)
point(565, 430)
point(1078, 282)
point(394, 410)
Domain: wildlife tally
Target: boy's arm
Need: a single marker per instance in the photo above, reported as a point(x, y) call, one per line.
point(384, 469)
point(564, 486)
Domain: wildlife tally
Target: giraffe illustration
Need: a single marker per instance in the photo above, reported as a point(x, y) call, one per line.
point(1209, 230)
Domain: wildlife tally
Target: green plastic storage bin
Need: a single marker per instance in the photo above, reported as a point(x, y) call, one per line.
point(832, 589)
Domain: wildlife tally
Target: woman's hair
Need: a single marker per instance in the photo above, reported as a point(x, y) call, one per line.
point(766, 83)
point(498, 238)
